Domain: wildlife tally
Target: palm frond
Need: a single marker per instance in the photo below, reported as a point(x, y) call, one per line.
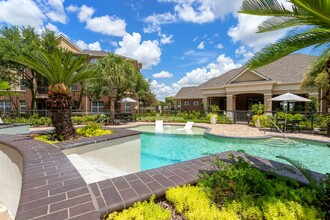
point(277, 23)
point(319, 8)
point(57, 67)
point(288, 45)
point(313, 182)
point(264, 8)
point(317, 67)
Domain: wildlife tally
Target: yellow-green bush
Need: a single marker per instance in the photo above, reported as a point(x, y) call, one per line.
point(142, 211)
point(92, 129)
point(194, 204)
point(46, 138)
point(276, 209)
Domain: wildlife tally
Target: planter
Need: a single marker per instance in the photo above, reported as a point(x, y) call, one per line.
point(213, 119)
point(257, 124)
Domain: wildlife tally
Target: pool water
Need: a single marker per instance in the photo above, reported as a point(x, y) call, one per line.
point(160, 149)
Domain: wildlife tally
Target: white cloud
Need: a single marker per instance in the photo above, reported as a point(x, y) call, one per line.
point(219, 46)
point(21, 13)
point(245, 31)
point(52, 28)
point(195, 77)
point(91, 46)
point(164, 18)
point(166, 39)
point(201, 45)
point(151, 28)
point(162, 74)
point(147, 52)
point(85, 13)
point(203, 11)
point(108, 25)
point(56, 13)
point(114, 43)
point(201, 14)
point(156, 20)
point(72, 8)
point(161, 90)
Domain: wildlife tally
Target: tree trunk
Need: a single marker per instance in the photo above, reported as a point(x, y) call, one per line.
point(60, 110)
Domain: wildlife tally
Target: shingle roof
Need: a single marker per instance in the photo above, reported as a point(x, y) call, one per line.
point(189, 93)
point(96, 53)
point(290, 68)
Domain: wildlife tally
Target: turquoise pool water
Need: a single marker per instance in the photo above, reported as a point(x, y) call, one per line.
point(160, 149)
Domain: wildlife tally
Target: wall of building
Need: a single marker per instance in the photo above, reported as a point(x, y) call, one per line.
point(190, 106)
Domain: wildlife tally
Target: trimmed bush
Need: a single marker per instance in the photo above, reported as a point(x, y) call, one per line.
point(141, 211)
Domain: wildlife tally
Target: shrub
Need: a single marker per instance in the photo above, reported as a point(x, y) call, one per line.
point(92, 129)
point(252, 193)
point(142, 210)
point(194, 203)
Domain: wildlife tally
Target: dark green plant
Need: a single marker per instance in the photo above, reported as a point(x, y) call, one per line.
point(242, 185)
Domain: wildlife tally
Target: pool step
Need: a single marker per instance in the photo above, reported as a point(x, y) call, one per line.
point(92, 170)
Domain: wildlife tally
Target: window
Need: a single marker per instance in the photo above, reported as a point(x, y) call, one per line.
point(21, 85)
point(128, 107)
point(186, 103)
point(94, 60)
point(97, 106)
point(22, 105)
point(5, 105)
point(74, 87)
point(196, 103)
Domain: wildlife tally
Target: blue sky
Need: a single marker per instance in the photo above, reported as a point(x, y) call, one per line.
point(179, 42)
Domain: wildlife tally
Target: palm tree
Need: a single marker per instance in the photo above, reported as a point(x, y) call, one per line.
point(311, 20)
point(62, 70)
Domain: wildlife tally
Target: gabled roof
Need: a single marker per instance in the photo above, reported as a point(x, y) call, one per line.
point(246, 75)
point(189, 93)
point(64, 39)
point(288, 69)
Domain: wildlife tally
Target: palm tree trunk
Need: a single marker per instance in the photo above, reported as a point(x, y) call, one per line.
point(60, 109)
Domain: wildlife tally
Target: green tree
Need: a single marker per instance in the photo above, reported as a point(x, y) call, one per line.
point(62, 70)
point(5, 89)
point(16, 41)
point(311, 20)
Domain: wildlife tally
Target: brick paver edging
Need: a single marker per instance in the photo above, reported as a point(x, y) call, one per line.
point(52, 188)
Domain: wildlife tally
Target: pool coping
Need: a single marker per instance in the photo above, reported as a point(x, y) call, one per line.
point(52, 186)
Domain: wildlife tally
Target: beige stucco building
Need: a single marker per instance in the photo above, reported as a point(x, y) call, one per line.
point(238, 89)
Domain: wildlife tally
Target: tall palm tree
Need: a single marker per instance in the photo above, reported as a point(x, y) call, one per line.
point(62, 70)
point(311, 20)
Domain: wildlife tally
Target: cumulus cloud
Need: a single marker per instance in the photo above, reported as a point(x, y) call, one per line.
point(107, 25)
point(195, 77)
point(161, 90)
point(201, 45)
point(162, 74)
point(56, 12)
point(245, 31)
point(91, 46)
point(147, 52)
point(21, 13)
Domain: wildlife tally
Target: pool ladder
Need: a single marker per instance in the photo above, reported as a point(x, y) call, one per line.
point(285, 137)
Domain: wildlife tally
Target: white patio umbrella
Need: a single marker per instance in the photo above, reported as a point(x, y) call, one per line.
point(289, 97)
point(127, 99)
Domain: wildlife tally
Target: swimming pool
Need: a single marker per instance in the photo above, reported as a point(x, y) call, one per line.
point(170, 147)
